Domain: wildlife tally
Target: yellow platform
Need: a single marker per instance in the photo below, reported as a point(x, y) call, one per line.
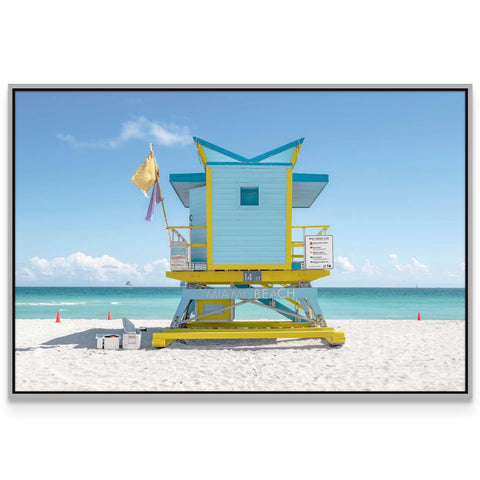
point(233, 276)
point(168, 335)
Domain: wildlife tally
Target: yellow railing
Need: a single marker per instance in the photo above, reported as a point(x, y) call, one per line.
point(301, 244)
point(321, 232)
point(181, 238)
point(294, 244)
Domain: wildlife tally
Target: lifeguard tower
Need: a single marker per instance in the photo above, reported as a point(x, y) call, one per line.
point(239, 249)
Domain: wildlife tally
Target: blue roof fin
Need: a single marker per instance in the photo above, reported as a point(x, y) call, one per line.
point(265, 155)
point(220, 149)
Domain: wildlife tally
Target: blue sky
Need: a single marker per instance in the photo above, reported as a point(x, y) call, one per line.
point(395, 200)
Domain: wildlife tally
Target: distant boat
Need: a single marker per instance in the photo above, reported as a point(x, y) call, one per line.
point(129, 284)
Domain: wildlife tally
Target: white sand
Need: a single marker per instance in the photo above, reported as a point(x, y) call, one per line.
point(379, 355)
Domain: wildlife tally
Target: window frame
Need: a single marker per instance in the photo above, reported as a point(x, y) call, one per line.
point(243, 189)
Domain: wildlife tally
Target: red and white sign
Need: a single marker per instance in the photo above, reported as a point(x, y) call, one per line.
point(319, 252)
point(178, 256)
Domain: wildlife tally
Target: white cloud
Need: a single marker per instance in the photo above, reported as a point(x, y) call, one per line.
point(79, 268)
point(167, 134)
point(76, 144)
point(162, 262)
point(414, 267)
point(370, 270)
point(462, 266)
point(148, 268)
point(26, 274)
point(170, 134)
point(394, 257)
point(419, 266)
point(345, 265)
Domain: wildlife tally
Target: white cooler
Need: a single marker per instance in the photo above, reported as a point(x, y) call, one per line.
point(131, 341)
point(108, 341)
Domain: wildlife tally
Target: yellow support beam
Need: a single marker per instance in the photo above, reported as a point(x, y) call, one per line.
point(247, 324)
point(294, 302)
point(208, 177)
point(235, 276)
point(289, 218)
point(295, 154)
point(201, 152)
point(161, 342)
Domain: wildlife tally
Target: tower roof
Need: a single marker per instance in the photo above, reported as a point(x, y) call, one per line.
point(305, 189)
point(213, 154)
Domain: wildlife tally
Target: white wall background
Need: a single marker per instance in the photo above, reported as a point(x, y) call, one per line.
point(241, 42)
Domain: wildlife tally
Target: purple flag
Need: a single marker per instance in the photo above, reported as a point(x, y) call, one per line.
point(154, 201)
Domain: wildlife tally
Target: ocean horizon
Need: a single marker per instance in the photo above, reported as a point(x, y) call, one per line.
point(150, 303)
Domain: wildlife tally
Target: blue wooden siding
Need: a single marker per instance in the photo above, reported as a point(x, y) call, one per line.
point(198, 217)
point(249, 234)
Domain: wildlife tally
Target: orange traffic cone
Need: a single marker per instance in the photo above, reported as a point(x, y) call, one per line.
point(419, 317)
point(58, 318)
point(109, 316)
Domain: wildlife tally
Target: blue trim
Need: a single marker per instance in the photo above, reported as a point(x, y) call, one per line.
point(310, 177)
point(220, 149)
point(188, 177)
point(258, 158)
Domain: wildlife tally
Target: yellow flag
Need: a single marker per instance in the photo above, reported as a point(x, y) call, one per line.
point(146, 175)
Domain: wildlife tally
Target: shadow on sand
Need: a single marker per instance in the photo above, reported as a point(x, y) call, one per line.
point(245, 345)
point(87, 339)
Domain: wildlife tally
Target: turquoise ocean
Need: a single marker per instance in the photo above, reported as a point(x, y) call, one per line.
point(160, 303)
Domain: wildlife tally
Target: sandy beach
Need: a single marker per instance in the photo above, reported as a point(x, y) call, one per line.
point(379, 355)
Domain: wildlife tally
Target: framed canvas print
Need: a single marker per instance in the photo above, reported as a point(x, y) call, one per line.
point(245, 239)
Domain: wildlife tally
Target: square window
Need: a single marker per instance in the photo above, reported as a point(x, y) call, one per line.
point(249, 196)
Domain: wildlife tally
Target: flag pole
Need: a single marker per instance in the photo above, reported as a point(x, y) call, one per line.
point(161, 197)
